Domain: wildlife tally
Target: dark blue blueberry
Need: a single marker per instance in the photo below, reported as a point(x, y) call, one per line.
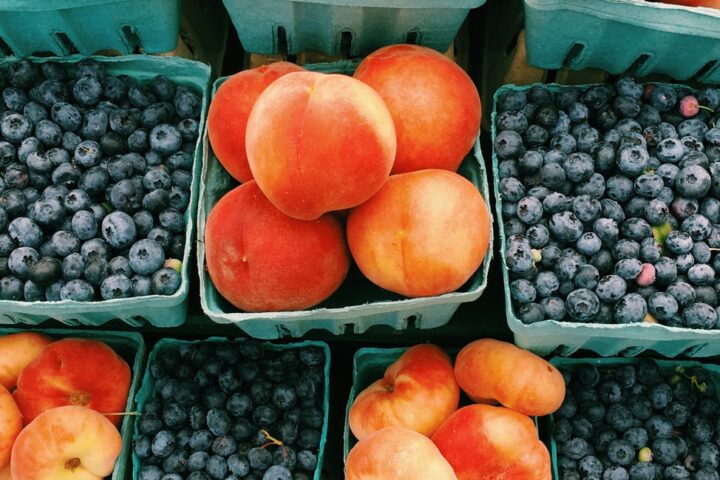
point(197, 461)
point(126, 196)
point(508, 144)
point(138, 141)
point(118, 230)
point(95, 124)
point(701, 274)
point(184, 161)
point(665, 271)
point(67, 175)
point(610, 288)
point(120, 168)
point(587, 137)
point(512, 189)
point(45, 271)
point(538, 236)
point(187, 104)
point(87, 154)
point(25, 232)
point(582, 305)
point(589, 243)
point(87, 91)
point(529, 211)
point(522, 291)
point(663, 98)
point(115, 286)
point(96, 270)
point(700, 315)
point(94, 181)
point(621, 452)
point(165, 139)
point(122, 121)
point(259, 458)
point(73, 266)
point(508, 120)
point(693, 182)
point(662, 305)
point(628, 268)
point(112, 143)
point(619, 188)
point(578, 167)
point(631, 308)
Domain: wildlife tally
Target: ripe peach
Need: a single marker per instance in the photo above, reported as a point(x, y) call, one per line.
point(396, 453)
point(5, 473)
point(485, 442)
point(318, 143)
point(10, 425)
point(74, 371)
point(418, 392)
point(16, 351)
point(434, 104)
point(260, 259)
point(424, 233)
point(490, 370)
point(229, 111)
point(66, 443)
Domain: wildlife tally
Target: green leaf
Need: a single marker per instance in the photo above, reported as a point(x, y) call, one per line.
point(661, 232)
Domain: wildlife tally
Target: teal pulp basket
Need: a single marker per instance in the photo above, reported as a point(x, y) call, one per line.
point(131, 347)
point(624, 35)
point(158, 310)
point(350, 27)
point(67, 27)
point(357, 305)
point(148, 387)
point(565, 338)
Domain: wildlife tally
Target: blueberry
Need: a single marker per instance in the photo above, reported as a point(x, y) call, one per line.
point(566, 268)
point(95, 124)
point(187, 104)
point(631, 308)
point(150, 472)
point(679, 242)
point(15, 128)
point(118, 230)
point(126, 196)
point(165, 139)
point(619, 188)
point(165, 281)
point(197, 461)
point(115, 286)
point(259, 458)
point(67, 175)
point(522, 291)
point(693, 182)
point(238, 465)
point(512, 189)
point(537, 235)
point(582, 305)
point(565, 226)
point(508, 144)
point(586, 277)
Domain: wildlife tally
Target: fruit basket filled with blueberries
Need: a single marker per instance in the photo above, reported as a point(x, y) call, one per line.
point(233, 409)
point(609, 197)
point(638, 419)
point(97, 192)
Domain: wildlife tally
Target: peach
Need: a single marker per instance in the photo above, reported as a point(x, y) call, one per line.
point(492, 443)
point(74, 371)
point(490, 370)
point(424, 233)
point(396, 453)
point(229, 111)
point(10, 425)
point(318, 143)
point(16, 351)
point(5, 473)
point(418, 392)
point(66, 443)
point(260, 259)
point(434, 104)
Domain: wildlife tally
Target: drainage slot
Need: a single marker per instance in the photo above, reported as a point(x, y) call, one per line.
point(5, 49)
point(639, 64)
point(282, 42)
point(573, 54)
point(411, 38)
point(345, 44)
point(348, 329)
point(131, 39)
point(411, 321)
point(707, 68)
point(67, 45)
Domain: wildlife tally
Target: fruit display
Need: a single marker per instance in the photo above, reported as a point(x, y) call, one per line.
point(324, 154)
point(637, 419)
point(96, 182)
point(609, 203)
point(61, 417)
point(419, 393)
point(217, 410)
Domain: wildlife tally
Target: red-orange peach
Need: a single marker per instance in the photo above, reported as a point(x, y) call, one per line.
point(492, 443)
point(10, 425)
point(434, 103)
point(260, 259)
point(229, 111)
point(74, 371)
point(424, 233)
point(318, 143)
point(16, 351)
point(490, 370)
point(396, 453)
point(66, 443)
point(5, 473)
point(418, 392)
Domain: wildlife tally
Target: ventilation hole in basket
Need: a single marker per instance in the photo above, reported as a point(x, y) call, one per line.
point(412, 321)
point(283, 332)
point(5, 49)
point(348, 329)
point(630, 351)
point(707, 68)
point(411, 38)
point(345, 44)
point(639, 63)
point(692, 351)
point(550, 76)
point(575, 52)
point(513, 43)
point(565, 350)
point(131, 39)
point(67, 45)
point(282, 41)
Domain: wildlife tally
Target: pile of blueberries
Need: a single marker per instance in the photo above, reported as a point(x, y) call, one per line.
point(232, 411)
point(95, 176)
point(632, 422)
point(610, 203)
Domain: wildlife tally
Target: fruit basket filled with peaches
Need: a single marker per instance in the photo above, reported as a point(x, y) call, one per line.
point(66, 401)
point(362, 199)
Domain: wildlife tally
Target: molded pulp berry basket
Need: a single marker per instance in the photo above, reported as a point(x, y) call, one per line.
point(621, 35)
point(666, 367)
point(131, 347)
point(66, 27)
point(358, 304)
point(564, 338)
point(158, 310)
point(350, 27)
point(148, 386)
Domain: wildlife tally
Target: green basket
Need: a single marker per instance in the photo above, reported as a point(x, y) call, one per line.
point(564, 338)
point(666, 366)
point(357, 305)
point(158, 310)
point(148, 387)
point(624, 35)
point(67, 27)
point(131, 347)
point(350, 27)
